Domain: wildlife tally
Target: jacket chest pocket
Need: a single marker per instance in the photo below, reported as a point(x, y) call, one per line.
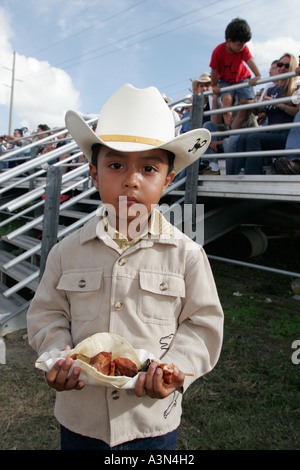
point(160, 295)
point(84, 290)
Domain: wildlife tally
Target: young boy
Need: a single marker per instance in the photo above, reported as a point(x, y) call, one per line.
point(228, 68)
point(135, 276)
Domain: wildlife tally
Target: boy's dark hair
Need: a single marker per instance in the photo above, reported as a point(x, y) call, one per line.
point(43, 127)
point(96, 149)
point(238, 30)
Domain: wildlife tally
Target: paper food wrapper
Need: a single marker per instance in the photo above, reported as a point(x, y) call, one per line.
point(88, 373)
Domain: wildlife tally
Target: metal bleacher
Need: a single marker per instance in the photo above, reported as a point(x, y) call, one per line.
point(229, 202)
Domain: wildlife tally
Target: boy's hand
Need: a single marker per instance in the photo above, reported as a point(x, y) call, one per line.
point(253, 81)
point(152, 384)
point(215, 90)
point(58, 379)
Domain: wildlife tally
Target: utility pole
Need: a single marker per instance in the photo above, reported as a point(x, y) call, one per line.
point(12, 95)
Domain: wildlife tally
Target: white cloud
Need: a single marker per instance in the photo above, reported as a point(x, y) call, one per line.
point(42, 93)
point(267, 51)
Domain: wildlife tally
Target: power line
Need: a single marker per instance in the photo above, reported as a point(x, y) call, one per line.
point(140, 41)
point(151, 37)
point(60, 64)
point(89, 27)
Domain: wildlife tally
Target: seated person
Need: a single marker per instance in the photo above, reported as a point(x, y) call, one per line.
point(290, 164)
point(277, 114)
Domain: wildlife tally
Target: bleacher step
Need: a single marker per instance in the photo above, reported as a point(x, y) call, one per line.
point(20, 272)
point(9, 305)
point(72, 214)
point(24, 242)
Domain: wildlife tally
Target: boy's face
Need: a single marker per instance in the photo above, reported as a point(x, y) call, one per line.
point(125, 179)
point(234, 46)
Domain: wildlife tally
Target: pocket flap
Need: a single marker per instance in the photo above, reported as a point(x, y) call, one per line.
point(81, 281)
point(162, 283)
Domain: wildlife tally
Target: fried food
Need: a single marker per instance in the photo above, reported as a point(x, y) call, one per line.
point(125, 366)
point(103, 363)
point(106, 358)
point(168, 372)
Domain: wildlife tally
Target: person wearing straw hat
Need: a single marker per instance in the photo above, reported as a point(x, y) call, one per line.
point(128, 271)
point(200, 86)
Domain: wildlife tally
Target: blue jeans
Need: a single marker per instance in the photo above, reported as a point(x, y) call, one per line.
point(72, 441)
point(293, 140)
point(246, 93)
point(229, 146)
point(213, 162)
point(256, 142)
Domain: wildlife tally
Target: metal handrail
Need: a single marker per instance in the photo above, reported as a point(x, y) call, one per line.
point(52, 135)
point(18, 286)
point(35, 249)
point(40, 159)
point(254, 129)
point(38, 220)
point(256, 104)
point(41, 203)
point(274, 78)
point(38, 192)
point(37, 161)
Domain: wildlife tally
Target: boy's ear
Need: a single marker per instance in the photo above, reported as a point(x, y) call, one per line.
point(94, 175)
point(169, 179)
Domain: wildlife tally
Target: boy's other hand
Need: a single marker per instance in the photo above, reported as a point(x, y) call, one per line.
point(253, 81)
point(58, 378)
point(216, 90)
point(152, 384)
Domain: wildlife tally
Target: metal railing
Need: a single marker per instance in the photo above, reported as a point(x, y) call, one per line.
point(42, 159)
point(36, 167)
point(250, 106)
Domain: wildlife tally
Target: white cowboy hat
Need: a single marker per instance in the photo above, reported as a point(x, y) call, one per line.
point(134, 120)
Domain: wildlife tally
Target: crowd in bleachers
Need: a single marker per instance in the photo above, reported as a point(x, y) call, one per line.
point(22, 137)
point(227, 68)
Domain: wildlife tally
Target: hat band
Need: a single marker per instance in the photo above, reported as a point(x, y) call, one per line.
point(130, 138)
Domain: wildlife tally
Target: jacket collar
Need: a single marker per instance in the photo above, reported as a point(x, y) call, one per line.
point(160, 230)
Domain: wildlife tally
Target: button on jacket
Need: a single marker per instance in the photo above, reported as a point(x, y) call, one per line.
point(159, 294)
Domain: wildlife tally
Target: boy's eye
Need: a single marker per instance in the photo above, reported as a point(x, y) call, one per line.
point(149, 168)
point(115, 165)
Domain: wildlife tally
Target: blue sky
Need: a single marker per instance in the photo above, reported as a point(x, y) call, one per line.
point(74, 54)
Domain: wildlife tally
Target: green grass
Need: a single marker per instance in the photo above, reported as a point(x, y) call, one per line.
point(250, 401)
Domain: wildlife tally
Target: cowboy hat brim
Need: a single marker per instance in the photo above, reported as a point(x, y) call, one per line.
point(187, 147)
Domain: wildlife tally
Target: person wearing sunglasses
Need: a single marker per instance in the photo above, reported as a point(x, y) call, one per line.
point(286, 65)
point(277, 113)
point(290, 164)
point(272, 72)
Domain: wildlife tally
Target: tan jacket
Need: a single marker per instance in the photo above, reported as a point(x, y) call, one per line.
point(159, 294)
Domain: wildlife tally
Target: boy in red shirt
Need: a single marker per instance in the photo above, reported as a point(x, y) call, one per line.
point(228, 67)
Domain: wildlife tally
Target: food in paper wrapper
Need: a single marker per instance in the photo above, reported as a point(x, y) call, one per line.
point(107, 359)
point(108, 347)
